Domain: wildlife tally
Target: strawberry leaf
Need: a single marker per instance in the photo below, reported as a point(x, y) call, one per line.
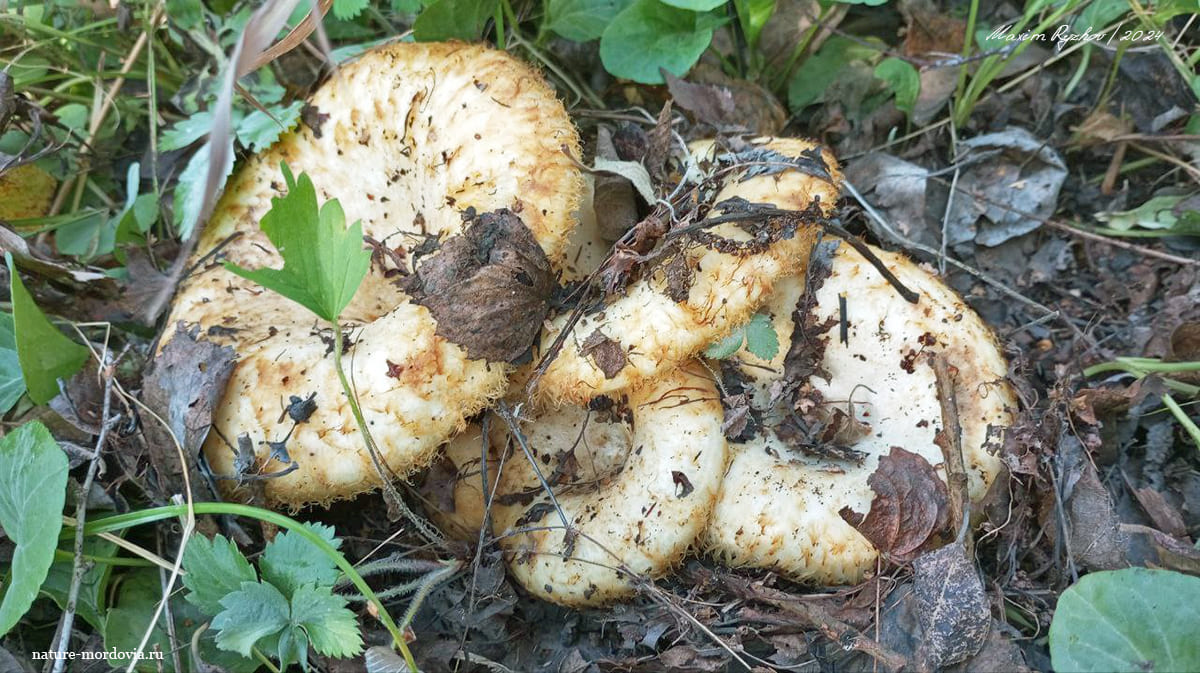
point(323, 261)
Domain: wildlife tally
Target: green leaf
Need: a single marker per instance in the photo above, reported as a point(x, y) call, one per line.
point(323, 261)
point(90, 603)
point(649, 35)
point(727, 346)
point(454, 20)
point(331, 626)
point(186, 131)
point(1156, 213)
point(186, 14)
point(349, 9)
point(809, 82)
point(753, 15)
point(582, 20)
point(33, 472)
point(215, 568)
point(695, 5)
point(407, 6)
point(255, 611)
point(290, 561)
point(258, 131)
point(189, 192)
point(138, 597)
point(45, 353)
point(87, 237)
point(292, 647)
point(1134, 619)
point(761, 339)
point(12, 383)
point(903, 80)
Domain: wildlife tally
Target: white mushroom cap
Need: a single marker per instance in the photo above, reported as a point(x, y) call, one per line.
point(778, 508)
point(409, 136)
point(464, 467)
point(637, 491)
point(656, 333)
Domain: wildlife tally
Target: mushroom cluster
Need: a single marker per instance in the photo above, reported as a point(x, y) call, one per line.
point(633, 449)
point(409, 139)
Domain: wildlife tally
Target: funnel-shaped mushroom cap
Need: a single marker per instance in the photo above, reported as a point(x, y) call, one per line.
point(654, 333)
point(635, 477)
point(779, 508)
point(407, 138)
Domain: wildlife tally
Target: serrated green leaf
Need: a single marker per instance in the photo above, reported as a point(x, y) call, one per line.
point(1136, 619)
point(258, 131)
point(761, 339)
point(91, 599)
point(290, 561)
point(33, 472)
point(323, 261)
point(582, 20)
point(649, 35)
point(254, 611)
point(727, 346)
point(46, 354)
point(903, 80)
point(345, 10)
point(215, 568)
point(331, 626)
point(454, 20)
point(138, 597)
point(12, 383)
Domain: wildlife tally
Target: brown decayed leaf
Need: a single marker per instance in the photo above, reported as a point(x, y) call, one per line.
point(608, 354)
point(487, 288)
point(910, 506)
point(184, 384)
point(1165, 516)
point(711, 104)
point(954, 613)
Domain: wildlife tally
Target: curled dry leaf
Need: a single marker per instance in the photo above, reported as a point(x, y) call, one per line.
point(910, 506)
point(487, 288)
point(953, 608)
point(185, 383)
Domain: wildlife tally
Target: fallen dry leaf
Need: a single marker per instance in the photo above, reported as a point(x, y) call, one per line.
point(910, 506)
point(953, 608)
point(183, 385)
point(1164, 515)
point(487, 287)
point(608, 354)
point(1008, 185)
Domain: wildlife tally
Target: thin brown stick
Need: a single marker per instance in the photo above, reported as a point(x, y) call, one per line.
point(949, 440)
point(79, 568)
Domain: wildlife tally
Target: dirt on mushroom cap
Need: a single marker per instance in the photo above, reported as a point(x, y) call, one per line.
point(656, 333)
point(778, 507)
point(408, 137)
point(636, 480)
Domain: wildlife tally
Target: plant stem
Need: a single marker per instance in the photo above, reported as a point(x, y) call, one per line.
point(122, 521)
point(392, 497)
point(1183, 418)
point(264, 659)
